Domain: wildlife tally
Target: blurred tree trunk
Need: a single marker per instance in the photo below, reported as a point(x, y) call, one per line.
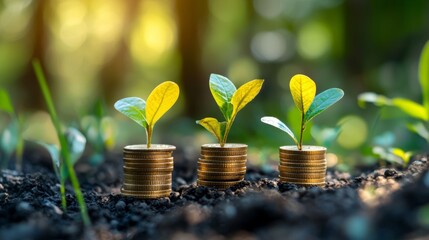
point(30, 92)
point(192, 17)
point(356, 33)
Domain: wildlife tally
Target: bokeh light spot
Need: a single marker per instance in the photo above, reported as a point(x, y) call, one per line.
point(314, 40)
point(154, 33)
point(354, 132)
point(272, 46)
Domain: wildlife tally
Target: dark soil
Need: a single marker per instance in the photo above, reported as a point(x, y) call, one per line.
point(384, 203)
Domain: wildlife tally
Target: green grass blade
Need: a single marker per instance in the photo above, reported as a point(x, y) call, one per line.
point(424, 75)
point(64, 148)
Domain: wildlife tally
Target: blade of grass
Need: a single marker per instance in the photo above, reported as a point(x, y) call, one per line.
point(64, 148)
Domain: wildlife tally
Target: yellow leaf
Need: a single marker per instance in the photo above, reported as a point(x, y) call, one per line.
point(303, 90)
point(244, 94)
point(160, 100)
point(212, 125)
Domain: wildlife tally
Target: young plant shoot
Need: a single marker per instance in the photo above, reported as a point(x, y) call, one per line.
point(303, 91)
point(66, 153)
point(230, 101)
point(76, 146)
point(147, 113)
point(11, 139)
point(419, 112)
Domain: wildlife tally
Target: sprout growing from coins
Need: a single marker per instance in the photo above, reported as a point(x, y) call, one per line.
point(303, 91)
point(230, 101)
point(147, 113)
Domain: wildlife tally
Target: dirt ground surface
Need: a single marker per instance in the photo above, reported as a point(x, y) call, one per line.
point(384, 203)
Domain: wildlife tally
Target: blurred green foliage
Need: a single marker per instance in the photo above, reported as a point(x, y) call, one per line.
point(115, 49)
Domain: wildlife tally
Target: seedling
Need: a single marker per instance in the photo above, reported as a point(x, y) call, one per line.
point(66, 154)
point(409, 107)
point(76, 146)
point(303, 91)
point(146, 114)
point(230, 101)
point(99, 132)
point(11, 139)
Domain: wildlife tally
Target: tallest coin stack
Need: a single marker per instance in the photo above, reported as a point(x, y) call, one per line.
point(148, 171)
point(222, 167)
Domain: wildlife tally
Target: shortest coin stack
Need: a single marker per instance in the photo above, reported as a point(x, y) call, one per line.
point(305, 167)
point(222, 167)
point(148, 171)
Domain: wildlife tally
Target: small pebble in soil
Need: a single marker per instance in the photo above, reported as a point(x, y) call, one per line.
point(1, 187)
point(390, 173)
point(120, 206)
point(24, 208)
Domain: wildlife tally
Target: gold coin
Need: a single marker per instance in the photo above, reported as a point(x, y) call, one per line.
point(311, 150)
point(322, 183)
point(224, 159)
point(220, 164)
point(213, 169)
point(302, 175)
point(216, 184)
point(301, 156)
point(207, 177)
point(303, 165)
point(153, 148)
point(130, 170)
point(308, 180)
point(146, 181)
point(226, 147)
point(321, 161)
point(223, 173)
point(207, 153)
point(149, 156)
point(152, 177)
point(302, 169)
point(150, 165)
point(243, 163)
point(146, 194)
point(136, 187)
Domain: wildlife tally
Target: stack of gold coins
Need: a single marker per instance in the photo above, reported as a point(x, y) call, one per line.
point(305, 167)
point(148, 171)
point(222, 167)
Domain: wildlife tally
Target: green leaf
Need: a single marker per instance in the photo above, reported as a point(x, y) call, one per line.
point(376, 99)
point(222, 90)
point(411, 108)
point(10, 138)
point(303, 90)
point(76, 145)
point(424, 75)
point(160, 100)
point(5, 103)
point(280, 125)
point(54, 152)
point(420, 129)
point(244, 94)
point(323, 101)
point(76, 142)
point(213, 126)
point(405, 156)
point(134, 108)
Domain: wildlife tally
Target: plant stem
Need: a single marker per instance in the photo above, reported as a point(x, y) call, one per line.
point(149, 136)
point(65, 153)
point(63, 194)
point(227, 128)
point(302, 132)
